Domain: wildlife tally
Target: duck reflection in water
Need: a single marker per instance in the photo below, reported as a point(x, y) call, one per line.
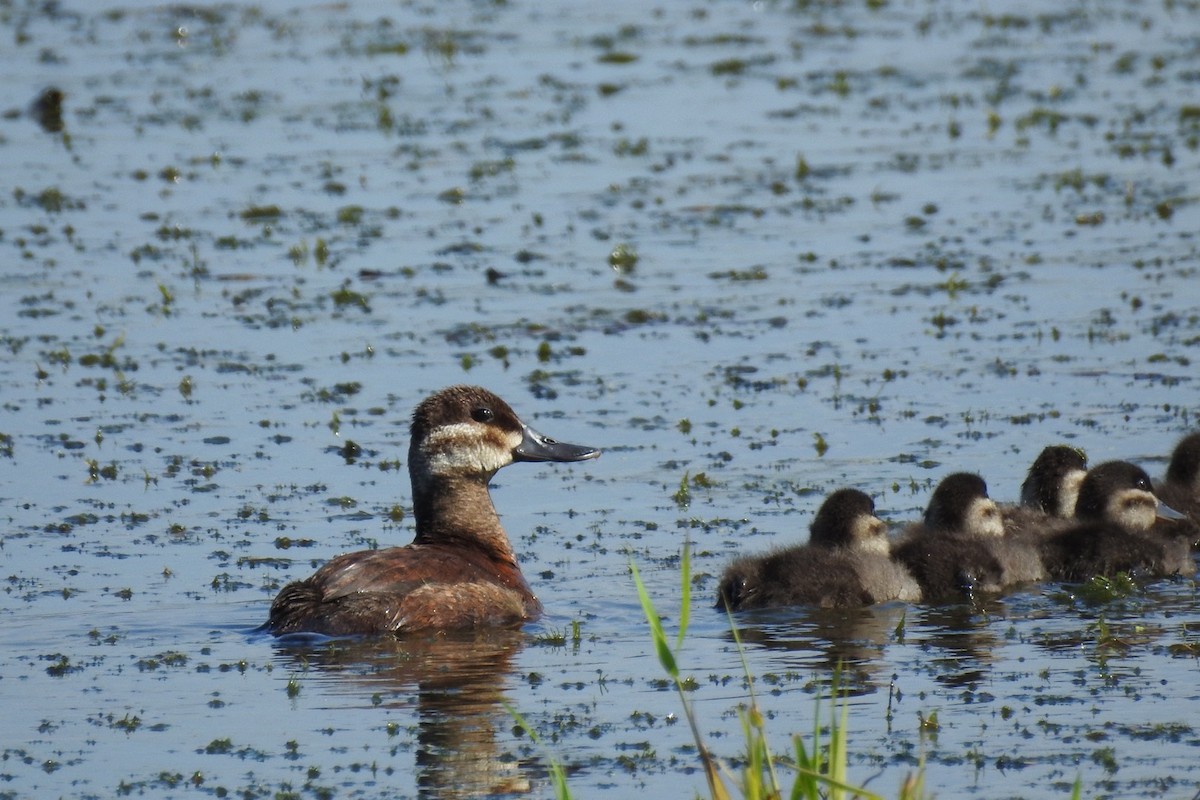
point(459, 680)
point(817, 642)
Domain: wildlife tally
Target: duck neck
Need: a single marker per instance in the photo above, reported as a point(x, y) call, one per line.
point(459, 511)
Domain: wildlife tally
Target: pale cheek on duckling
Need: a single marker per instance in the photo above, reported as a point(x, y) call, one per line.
point(1068, 493)
point(869, 535)
point(984, 519)
point(464, 447)
point(1135, 511)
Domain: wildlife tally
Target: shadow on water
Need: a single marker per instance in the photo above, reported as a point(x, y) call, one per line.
point(458, 682)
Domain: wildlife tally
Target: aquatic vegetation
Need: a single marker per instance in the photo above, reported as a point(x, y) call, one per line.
point(820, 767)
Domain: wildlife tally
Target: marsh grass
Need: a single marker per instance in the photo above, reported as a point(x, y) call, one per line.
point(819, 767)
point(558, 773)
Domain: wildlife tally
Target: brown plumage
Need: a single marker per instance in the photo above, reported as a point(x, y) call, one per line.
point(460, 570)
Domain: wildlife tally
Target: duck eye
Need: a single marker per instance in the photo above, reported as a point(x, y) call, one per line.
point(482, 414)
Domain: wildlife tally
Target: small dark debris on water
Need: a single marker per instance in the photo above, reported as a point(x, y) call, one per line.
point(47, 110)
point(494, 276)
point(351, 451)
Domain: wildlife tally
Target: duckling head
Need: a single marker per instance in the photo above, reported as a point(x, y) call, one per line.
point(961, 503)
point(1121, 493)
point(1052, 485)
point(1184, 469)
point(847, 519)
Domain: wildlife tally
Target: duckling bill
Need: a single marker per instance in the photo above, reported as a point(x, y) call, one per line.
point(460, 570)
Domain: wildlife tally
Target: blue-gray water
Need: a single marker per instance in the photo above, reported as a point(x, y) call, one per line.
point(925, 236)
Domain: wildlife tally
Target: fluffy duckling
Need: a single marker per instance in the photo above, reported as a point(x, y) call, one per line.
point(1116, 513)
point(460, 570)
point(844, 564)
point(1180, 488)
point(1049, 491)
point(960, 546)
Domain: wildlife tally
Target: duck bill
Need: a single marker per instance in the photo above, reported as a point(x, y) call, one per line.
point(535, 446)
point(1164, 511)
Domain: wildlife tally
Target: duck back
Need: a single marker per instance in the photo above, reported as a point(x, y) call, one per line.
point(1105, 548)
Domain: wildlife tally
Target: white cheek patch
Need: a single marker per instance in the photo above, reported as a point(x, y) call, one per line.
point(1068, 492)
point(465, 447)
point(869, 535)
point(1133, 510)
point(983, 519)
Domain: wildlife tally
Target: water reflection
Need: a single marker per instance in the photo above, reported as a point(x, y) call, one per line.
point(459, 681)
point(966, 641)
point(852, 640)
point(959, 638)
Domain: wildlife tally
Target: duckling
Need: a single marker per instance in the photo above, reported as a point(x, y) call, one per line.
point(1049, 491)
point(844, 564)
point(460, 570)
point(960, 546)
point(1180, 488)
point(1116, 514)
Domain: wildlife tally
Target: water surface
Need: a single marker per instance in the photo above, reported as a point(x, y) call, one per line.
point(767, 249)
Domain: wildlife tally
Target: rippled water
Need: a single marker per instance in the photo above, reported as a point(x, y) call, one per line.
point(767, 249)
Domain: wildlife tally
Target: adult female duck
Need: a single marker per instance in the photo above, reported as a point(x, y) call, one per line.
point(460, 570)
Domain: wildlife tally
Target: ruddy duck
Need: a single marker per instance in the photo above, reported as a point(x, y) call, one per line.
point(1049, 492)
point(844, 564)
point(960, 546)
point(460, 570)
point(1116, 513)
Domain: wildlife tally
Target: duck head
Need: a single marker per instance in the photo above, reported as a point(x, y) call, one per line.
point(847, 519)
point(1121, 493)
point(961, 503)
point(467, 432)
point(1052, 484)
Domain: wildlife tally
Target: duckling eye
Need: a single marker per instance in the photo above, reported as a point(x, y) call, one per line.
point(482, 414)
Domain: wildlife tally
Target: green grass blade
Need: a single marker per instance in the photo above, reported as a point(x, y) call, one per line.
point(665, 656)
point(685, 594)
point(558, 775)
